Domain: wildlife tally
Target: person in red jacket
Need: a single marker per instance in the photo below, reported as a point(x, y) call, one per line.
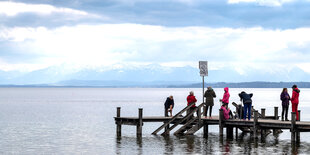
point(191, 99)
point(295, 100)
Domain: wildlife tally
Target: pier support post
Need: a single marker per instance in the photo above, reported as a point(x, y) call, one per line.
point(118, 123)
point(276, 113)
point(236, 133)
point(298, 133)
point(166, 115)
point(293, 124)
point(274, 131)
point(263, 110)
point(221, 125)
point(230, 132)
point(255, 123)
point(140, 123)
point(205, 130)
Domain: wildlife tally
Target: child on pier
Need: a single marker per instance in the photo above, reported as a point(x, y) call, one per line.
point(227, 112)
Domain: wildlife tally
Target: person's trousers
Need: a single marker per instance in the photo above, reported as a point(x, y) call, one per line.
point(284, 111)
point(247, 110)
point(206, 112)
point(295, 109)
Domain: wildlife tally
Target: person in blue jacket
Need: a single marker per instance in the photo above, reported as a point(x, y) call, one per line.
point(247, 103)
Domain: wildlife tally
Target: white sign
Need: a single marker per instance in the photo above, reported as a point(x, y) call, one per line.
point(203, 66)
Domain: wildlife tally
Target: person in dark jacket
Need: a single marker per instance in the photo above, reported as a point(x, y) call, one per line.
point(247, 103)
point(285, 97)
point(209, 95)
point(295, 100)
point(169, 104)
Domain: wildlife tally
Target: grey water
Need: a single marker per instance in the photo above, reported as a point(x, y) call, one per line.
point(80, 121)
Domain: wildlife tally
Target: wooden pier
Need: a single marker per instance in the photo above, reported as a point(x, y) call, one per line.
point(188, 124)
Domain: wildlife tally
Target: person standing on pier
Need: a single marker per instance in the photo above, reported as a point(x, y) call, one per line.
point(191, 99)
point(285, 97)
point(247, 103)
point(226, 96)
point(209, 95)
point(295, 100)
point(169, 104)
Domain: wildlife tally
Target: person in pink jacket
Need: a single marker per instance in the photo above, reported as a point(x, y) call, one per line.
point(226, 96)
point(226, 112)
point(295, 100)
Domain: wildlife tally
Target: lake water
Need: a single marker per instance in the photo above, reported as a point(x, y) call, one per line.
point(80, 121)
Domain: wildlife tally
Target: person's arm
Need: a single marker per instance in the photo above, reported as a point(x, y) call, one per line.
point(213, 94)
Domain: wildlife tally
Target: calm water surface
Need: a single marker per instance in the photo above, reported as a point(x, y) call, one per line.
point(80, 121)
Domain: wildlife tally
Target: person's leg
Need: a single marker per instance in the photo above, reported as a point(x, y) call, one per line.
point(206, 112)
point(286, 112)
point(297, 114)
point(294, 107)
point(283, 109)
point(210, 112)
point(249, 110)
point(245, 107)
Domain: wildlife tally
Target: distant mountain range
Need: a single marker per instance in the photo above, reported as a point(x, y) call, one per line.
point(153, 75)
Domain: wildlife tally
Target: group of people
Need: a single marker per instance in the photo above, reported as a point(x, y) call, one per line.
point(285, 97)
point(245, 98)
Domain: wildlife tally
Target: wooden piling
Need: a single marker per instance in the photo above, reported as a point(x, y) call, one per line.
point(263, 110)
point(298, 133)
point(293, 124)
point(140, 123)
point(205, 130)
point(276, 113)
point(274, 131)
point(221, 119)
point(230, 132)
point(236, 133)
point(118, 123)
point(166, 115)
point(255, 126)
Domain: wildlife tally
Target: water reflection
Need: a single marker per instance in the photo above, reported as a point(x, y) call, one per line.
point(214, 144)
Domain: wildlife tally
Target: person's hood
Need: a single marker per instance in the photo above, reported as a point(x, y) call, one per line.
point(296, 90)
point(226, 89)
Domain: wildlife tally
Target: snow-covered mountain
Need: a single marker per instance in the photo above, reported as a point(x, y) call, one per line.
point(139, 75)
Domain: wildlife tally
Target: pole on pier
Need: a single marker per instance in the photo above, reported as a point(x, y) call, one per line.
point(298, 133)
point(293, 124)
point(118, 123)
point(255, 124)
point(140, 123)
point(221, 119)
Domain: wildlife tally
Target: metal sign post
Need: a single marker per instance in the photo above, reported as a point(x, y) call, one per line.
point(203, 67)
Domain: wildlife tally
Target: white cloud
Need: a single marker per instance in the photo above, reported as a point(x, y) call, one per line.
point(106, 44)
point(13, 8)
point(262, 2)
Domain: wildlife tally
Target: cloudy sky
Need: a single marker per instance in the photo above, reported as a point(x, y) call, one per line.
point(265, 35)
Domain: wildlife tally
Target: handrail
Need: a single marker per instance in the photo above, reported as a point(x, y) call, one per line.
point(172, 119)
point(184, 118)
